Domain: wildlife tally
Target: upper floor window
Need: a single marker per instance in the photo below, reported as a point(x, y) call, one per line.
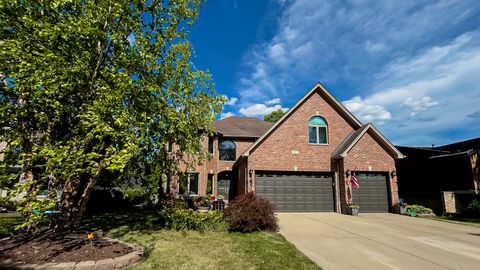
point(210, 145)
point(317, 130)
point(227, 150)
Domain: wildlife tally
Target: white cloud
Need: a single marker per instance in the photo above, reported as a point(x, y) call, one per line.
point(419, 104)
point(375, 47)
point(227, 114)
point(273, 101)
point(431, 96)
point(382, 52)
point(260, 109)
point(231, 101)
point(367, 112)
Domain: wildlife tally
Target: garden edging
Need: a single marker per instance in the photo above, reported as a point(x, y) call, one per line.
point(106, 264)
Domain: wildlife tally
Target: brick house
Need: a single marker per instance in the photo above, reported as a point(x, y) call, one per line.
point(423, 179)
point(303, 162)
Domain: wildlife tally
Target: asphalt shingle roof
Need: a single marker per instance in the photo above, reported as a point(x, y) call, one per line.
point(235, 126)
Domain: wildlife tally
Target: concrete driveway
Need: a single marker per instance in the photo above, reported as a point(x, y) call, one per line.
point(381, 241)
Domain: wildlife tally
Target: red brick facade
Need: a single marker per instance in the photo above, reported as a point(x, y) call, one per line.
point(286, 148)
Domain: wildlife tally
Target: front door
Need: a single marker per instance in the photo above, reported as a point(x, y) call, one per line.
point(223, 184)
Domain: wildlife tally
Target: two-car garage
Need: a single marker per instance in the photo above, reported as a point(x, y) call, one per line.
point(296, 192)
point(314, 192)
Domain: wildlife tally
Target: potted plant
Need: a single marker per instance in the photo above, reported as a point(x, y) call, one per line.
point(402, 207)
point(352, 209)
point(202, 205)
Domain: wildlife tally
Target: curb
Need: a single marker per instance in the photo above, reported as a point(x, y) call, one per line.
point(106, 264)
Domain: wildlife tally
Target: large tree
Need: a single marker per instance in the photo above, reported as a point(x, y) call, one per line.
point(274, 116)
point(90, 88)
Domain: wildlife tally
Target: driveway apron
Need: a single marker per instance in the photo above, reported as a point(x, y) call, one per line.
point(381, 241)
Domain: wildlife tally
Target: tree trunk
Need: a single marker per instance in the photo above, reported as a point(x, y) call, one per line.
point(67, 204)
point(52, 187)
point(82, 203)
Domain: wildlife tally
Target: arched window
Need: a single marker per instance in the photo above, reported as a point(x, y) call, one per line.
point(317, 130)
point(227, 151)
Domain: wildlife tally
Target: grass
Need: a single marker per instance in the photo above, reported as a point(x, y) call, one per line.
point(7, 223)
point(168, 249)
point(474, 222)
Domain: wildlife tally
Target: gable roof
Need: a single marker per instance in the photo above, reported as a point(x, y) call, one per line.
point(344, 147)
point(324, 93)
point(247, 127)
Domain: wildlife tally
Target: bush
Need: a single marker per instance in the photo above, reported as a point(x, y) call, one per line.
point(176, 216)
point(419, 209)
point(473, 208)
point(8, 204)
point(248, 213)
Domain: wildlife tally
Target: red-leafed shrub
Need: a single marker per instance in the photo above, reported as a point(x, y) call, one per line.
point(248, 213)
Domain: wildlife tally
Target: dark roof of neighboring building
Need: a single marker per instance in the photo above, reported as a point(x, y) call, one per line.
point(344, 147)
point(467, 147)
point(235, 126)
point(461, 146)
point(422, 151)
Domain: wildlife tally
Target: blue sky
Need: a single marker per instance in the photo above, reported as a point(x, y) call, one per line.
point(410, 67)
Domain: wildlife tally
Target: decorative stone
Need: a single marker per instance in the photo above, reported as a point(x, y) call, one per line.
point(64, 266)
point(26, 266)
point(45, 266)
point(126, 260)
point(85, 265)
point(107, 264)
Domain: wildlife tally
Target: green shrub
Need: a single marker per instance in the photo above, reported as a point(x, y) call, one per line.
point(176, 216)
point(473, 208)
point(8, 204)
point(419, 209)
point(248, 213)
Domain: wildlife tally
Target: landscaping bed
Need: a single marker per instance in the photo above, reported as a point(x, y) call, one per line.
point(57, 248)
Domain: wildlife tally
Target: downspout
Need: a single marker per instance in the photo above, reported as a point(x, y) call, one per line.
point(337, 190)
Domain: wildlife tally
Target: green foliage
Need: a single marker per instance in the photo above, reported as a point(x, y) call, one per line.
point(274, 116)
point(8, 223)
point(419, 209)
point(177, 216)
point(248, 213)
point(94, 91)
point(473, 208)
point(8, 204)
point(354, 206)
point(187, 219)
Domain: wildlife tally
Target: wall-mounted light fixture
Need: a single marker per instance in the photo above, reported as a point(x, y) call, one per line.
point(347, 173)
point(393, 174)
point(250, 172)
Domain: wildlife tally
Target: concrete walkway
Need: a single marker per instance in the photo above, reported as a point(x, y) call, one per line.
point(381, 241)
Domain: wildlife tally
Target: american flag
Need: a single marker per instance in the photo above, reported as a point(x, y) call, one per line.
point(354, 181)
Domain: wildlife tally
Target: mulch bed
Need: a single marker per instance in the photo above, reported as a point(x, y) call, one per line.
point(57, 248)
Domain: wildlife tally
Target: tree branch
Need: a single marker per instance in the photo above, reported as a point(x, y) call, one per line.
point(102, 56)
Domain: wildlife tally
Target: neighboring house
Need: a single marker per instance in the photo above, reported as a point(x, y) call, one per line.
point(303, 162)
point(444, 178)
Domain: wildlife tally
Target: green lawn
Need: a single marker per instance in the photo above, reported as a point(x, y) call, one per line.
point(166, 249)
point(217, 250)
point(457, 220)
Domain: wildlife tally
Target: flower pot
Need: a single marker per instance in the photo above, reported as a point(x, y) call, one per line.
point(352, 211)
point(203, 209)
